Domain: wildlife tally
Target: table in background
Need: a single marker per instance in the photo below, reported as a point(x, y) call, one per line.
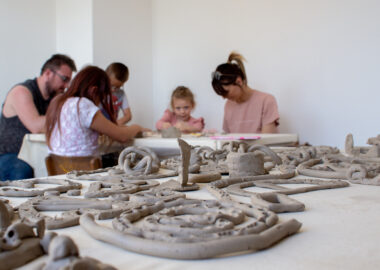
point(34, 148)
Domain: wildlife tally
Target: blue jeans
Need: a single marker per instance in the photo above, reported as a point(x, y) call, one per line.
point(12, 168)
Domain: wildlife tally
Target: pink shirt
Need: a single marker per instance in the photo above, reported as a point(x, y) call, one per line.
point(250, 116)
point(170, 117)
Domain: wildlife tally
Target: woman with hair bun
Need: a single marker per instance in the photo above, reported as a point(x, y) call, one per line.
point(246, 110)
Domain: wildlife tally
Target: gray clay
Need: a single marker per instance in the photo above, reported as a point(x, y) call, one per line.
point(171, 132)
point(192, 229)
point(21, 244)
point(28, 187)
point(64, 254)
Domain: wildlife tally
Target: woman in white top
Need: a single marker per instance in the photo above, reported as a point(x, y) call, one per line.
point(74, 120)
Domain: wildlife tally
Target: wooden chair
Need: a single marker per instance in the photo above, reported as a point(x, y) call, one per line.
point(61, 164)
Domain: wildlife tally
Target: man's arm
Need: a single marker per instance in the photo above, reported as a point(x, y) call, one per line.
point(20, 102)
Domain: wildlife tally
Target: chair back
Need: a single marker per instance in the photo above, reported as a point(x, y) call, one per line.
point(61, 165)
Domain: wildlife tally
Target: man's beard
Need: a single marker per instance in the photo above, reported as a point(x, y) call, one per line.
point(50, 90)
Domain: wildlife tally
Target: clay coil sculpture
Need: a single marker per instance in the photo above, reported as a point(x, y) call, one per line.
point(21, 244)
point(275, 186)
point(104, 189)
point(6, 215)
point(64, 254)
point(192, 229)
point(72, 209)
point(251, 163)
point(29, 188)
point(138, 160)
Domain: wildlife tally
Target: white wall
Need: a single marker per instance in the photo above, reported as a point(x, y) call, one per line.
point(123, 33)
point(74, 30)
point(318, 58)
point(27, 40)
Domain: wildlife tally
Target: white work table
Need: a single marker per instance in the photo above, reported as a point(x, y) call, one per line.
point(340, 230)
point(34, 148)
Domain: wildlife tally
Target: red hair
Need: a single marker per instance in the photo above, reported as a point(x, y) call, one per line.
point(92, 83)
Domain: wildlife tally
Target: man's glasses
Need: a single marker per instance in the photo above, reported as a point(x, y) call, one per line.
point(65, 79)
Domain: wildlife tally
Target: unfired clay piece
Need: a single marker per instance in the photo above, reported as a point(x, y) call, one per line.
point(138, 160)
point(63, 186)
point(277, 203)
point(72, 209)
point(180, 231)
point(21, 244)
point(317, 184)
point(364, 152)
point(63, 253)
point(6, 215)
point(104, 189)
point(171, 132)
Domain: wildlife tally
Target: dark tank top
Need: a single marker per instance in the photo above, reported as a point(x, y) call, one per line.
point(12, 130)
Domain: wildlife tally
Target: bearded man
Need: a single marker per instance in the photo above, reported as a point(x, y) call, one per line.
point(24, 112)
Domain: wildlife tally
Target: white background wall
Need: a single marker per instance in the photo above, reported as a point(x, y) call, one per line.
point(27, 39)
point(74, 30)
point(318, 58)
point(123, 33)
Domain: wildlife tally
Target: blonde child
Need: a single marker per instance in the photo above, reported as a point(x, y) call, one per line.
point(119, 75)
point(182, 104)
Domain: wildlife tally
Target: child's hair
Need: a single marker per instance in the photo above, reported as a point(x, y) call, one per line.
point(82, 86)
point(182, 92)
point(227, 73)
point(119, 70)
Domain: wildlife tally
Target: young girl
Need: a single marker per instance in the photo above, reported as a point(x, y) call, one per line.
point(182, 103)
point(74, 120)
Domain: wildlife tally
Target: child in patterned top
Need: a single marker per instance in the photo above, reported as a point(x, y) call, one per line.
point(74, 120)
point(182, 103)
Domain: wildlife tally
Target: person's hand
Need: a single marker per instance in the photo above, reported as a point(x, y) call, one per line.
point(182, 126)
point(166, 125)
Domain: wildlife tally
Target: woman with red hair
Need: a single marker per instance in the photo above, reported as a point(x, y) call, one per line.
point(74, 120)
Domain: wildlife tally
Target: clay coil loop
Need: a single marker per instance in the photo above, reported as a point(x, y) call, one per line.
point(275, 158)
point(138, 160)
point(356, 172)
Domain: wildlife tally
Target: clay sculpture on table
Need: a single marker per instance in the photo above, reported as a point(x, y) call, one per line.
point(64, 254)
point(192, 229)
point(20, 244)
point(171, 132)
point(6, 215)
point(72, 209)
point(363, 152)
point(27, 188)
point(250, 163)
point(135, 160)
point(106, 189)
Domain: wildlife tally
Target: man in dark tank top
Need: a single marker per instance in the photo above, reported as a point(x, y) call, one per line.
point(24, 112)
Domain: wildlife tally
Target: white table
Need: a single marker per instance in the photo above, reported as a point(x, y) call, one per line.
point(340, 230)
point(34, 148)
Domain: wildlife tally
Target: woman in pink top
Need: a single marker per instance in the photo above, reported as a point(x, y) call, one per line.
point(182, 103)
point(246, 110)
